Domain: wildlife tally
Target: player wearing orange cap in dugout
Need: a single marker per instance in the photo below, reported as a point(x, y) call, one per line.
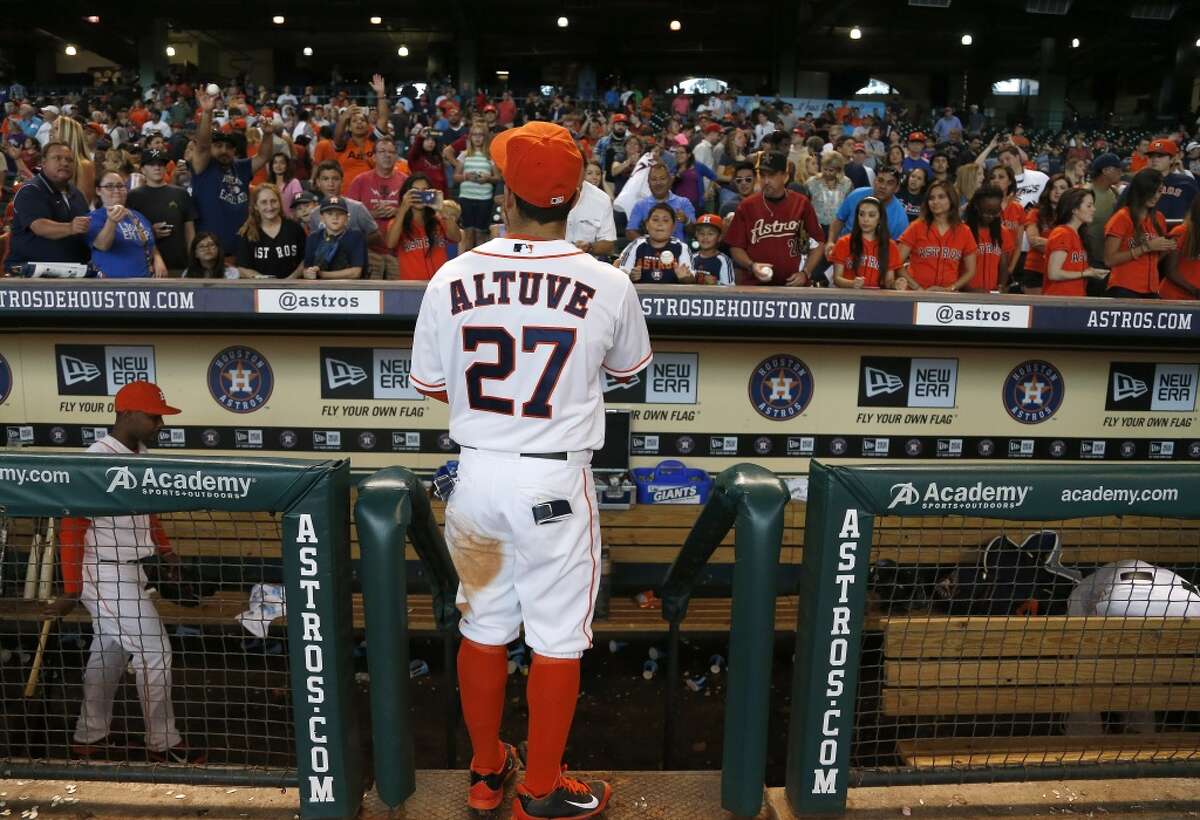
point(513, 335)
point(102, 566)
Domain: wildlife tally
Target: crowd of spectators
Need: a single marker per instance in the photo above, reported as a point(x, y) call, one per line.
point(188, 180)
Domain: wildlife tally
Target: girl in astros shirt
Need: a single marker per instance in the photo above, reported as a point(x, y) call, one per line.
point(1067, 268)
point(1135, 238)
point(937, 248)
point(1183, 265)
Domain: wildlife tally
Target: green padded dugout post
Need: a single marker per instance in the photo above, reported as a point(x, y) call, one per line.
point(751, 499)
point(313, 498)
point(392, 503)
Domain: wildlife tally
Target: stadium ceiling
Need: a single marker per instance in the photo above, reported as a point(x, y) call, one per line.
point(917, 36)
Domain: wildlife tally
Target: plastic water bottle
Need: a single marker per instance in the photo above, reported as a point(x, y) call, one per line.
point(697, 683)
point(418, 669)
point(615, 646)
point(715, 664)
point(649, 670)
point(656, 654)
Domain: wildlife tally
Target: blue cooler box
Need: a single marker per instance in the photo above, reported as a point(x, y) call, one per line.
point(671, 483)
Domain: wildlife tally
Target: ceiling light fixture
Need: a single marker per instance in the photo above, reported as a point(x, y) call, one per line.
point(402, 51)
point(563, 22)
point(376, 21)
point(856, 33)
point(70, 51)
point(308, 52)
point(967, 39)
point(278, 19)
point(676, 25)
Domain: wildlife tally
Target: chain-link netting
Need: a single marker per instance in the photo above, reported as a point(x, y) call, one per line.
point(991, 643)
point(175, 652)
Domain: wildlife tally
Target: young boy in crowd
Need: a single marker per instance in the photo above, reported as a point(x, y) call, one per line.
point(711, 266)
point(303, 204)
point(335, 251)
point(657, 257)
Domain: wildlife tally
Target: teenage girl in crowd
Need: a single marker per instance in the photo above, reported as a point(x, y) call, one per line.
point(859, 260)
point(938, 249)
point(1039, 222)
point(1135, 238)
point(995, 246)
point(1183, 265)
point(1067, 268)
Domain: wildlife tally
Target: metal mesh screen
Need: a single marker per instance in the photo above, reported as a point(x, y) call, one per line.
point(146, 670)
point(992, 643)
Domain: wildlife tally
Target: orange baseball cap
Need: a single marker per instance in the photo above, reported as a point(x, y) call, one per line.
point(540, 163)
point(917, 136)
point(143, 397)
point(711, 220)
point(1167, 147)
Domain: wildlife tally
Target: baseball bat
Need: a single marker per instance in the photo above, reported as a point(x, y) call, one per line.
point(33, 568)
point(45, 580)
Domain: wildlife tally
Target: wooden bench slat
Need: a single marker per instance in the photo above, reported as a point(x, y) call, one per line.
point(970, 638)
point(1042, 671)
point(1042, 751)
point(1037, 699)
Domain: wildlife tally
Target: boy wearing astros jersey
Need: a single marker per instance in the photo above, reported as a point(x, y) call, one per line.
point(513, 335)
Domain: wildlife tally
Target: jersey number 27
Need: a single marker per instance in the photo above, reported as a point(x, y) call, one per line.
point(561, 340)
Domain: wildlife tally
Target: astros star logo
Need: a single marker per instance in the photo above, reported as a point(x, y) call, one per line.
point(781, 387)
point(1033, 390)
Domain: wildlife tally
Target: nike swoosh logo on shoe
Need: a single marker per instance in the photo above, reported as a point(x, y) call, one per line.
point(589, 805)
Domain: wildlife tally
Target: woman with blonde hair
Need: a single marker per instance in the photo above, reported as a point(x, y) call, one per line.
point(477, 177)
point(70, 131)
point(269, 244)
point(829, 188)
point(967, 180)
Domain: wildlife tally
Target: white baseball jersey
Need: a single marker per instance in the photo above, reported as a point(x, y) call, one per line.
point(118, 537)
point(516, 333)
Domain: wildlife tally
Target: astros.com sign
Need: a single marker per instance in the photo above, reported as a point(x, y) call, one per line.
point(192, 484)
point(959, 496)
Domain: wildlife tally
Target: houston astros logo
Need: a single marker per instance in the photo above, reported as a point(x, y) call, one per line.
point(1033, 391)
point(781, 387)
point(6, 380)
point(240, 379)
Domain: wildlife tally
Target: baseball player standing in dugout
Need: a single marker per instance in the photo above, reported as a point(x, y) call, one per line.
point(513, 335)
point(102, 565)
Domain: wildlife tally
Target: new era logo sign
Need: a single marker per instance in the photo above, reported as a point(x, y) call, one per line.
point(891, 381)
point(1126, 387)
point(1163, 387)
point(342, 374)
point(76, 370)
point(101, 370)
point(878, 382)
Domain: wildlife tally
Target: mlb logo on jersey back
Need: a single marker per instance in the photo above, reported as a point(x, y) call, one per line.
point(101, 370)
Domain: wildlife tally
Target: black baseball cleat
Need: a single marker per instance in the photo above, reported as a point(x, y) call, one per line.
point(180, 753)
point(103, 749)
point(486, 791)
point(570, 799)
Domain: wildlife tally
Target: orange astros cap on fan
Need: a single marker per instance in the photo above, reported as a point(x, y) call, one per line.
point(1167, 147)
point(143, 397)
point(539, 162)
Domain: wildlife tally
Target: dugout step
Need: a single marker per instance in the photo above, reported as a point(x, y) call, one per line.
point(441, 795)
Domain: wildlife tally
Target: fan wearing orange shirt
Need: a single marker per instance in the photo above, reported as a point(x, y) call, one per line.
point(1067, 268)
point(1183, 265)
point(355, 152)
point(938, 249)
point(858, 258)
point(1138, 159)
point(996, 246)
point(1135, 238)
point(1039, 221)
point(1012, 212)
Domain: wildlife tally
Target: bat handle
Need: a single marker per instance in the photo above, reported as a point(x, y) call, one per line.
point(36, 669)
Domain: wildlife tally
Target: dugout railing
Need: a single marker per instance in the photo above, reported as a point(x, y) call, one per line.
point(988, 624)
point(265, 717)
point(751, 500)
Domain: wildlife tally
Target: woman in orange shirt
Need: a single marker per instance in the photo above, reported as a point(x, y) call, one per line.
point(859, 261)
point(938, 248)
point(421, 230)
point(1067, 267)
point(1135, 238)
point(1012, 212)
point(1039, 222)
point(995, 245)
point(1183, 265)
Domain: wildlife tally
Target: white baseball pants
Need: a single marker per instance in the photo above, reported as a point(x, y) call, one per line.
point(125, 622)
point(513, 571)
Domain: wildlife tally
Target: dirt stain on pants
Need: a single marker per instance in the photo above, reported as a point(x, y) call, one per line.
point(477, 558)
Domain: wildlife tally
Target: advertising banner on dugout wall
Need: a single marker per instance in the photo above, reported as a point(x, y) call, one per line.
point(313, 497)
point(710, 404)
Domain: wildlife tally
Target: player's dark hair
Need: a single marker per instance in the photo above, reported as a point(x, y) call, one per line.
point(952, 215)
point(1045, 209)
point(1144, 187)
point(544, 216)
point(1067, 205)
point(658, 206)
point(973, 214)
point(429, 220)
point(882, 236)
point(887, 170)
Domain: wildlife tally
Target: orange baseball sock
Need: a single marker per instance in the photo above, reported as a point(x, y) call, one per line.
point(482, 676)
point(552, 692)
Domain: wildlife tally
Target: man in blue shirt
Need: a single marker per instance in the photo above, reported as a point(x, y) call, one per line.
point(948, 123)
point(50, 216)
point(335, 250)
point(660, 191)
point(1178, 189)
point(221, 181)
point(887, 182)
point(914, 155)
